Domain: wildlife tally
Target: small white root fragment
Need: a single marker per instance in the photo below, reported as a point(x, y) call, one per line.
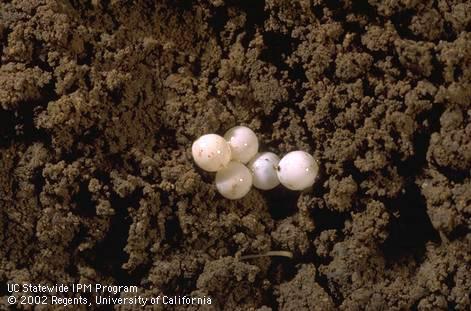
point(286, 254)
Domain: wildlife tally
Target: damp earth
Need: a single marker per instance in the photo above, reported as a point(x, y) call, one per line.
point(100, 102)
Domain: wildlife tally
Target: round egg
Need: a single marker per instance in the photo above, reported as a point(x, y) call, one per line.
point(297, 170)
point(234, 181)
point(211, 152)
point(263, 167)
point(243, 142)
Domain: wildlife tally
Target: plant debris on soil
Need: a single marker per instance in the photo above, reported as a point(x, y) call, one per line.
point(101, 100)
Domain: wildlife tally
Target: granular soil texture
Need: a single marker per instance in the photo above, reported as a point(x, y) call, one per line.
point(101, 100)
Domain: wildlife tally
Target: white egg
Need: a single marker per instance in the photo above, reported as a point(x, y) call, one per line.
point(211, 152)
point(234, 181)
point(297, 170)
point(263, 167)
point(243, 142)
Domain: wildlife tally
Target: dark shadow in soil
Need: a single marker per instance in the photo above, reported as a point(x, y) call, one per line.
point(85, 205)
point(363, 7)
point(284, 267)
point(3, 289)
point(412, 229)
point(454, 175)
point(173, 231)
point(436, 76)
point(7, 127)
point(278, 47)
point(414, 165)
point(448, 34)
point(218, 19)
point(401, 21)
point(255, 10)
point(38, 181)
point(18, 125)
point(282, 270)
point(255, 17)
point(282, 202)
point(326, 220)
point(459, 232)
point(330, 289)
point(109, 255)
point(182, 5)
point(270, 299)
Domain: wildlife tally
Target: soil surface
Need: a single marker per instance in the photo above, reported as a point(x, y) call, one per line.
point(101, 100)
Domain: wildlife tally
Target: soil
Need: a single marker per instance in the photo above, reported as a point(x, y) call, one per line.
point(101, 100)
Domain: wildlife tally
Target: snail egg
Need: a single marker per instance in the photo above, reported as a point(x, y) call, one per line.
point(297, 170)
point(263, 167)
point(234, 181)
point(243, 142)
point(211, 152)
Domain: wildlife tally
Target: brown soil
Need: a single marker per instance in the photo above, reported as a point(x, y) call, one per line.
point(100, 101)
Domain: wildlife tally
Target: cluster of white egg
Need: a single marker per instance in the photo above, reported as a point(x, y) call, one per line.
point(238, 165)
